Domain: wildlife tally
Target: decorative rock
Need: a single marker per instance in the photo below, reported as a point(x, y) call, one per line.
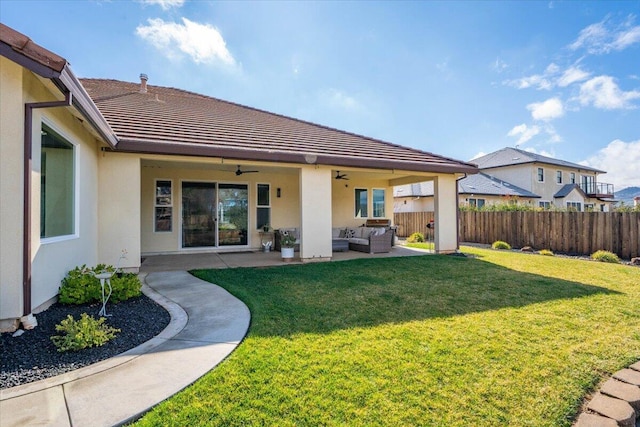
point(630, 376)
point(635, 366)
point(616, 409)
point(635, 261)
point(591, 420)
point(527, 249)
point(623, 391)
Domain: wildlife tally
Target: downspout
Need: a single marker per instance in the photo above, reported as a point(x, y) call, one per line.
point(27, 319)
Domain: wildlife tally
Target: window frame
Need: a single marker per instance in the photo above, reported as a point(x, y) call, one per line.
point(357, 201)
point(540, 174)
point(576, 205)
point(572, 177)
point(158, 206)
point(544, 205)
point(384, 202)
point(559, 177)
point(75, 234)
point(259, 206)
point(477, 202)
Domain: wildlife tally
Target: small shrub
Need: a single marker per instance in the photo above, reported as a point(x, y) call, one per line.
point(81, 287)
point(499, 244)
point(416, 237)
point(605, 256)
point(83, 333)
point(546, 252)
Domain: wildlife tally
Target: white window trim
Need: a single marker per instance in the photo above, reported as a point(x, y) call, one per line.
point(561, 178)
point(544, 201)
point(354, 199)
point(572, 177)
point(538, 175)
point(173, 209)
point(384, 191)
point(263, 206)
point(76, 184)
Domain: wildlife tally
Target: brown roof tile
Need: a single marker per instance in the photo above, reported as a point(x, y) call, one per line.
point(39, 58)
point(167, 120)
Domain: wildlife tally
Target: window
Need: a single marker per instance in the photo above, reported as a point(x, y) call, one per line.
point(588, 184)
point(572, 177)
point(540, 175)
point(588, 207)
point(57, 185)
point(361, 203)
point(163, 215)
point(558, 177)
point(263, 214)
point(574, 206)
point(378, 203)
point(163, 212)
point(476, 203)
point(545, 205)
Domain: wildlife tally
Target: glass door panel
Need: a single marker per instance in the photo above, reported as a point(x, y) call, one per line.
point(233, 214)
point(198, 214)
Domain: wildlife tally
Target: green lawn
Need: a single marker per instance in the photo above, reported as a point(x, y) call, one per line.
point(498, 339)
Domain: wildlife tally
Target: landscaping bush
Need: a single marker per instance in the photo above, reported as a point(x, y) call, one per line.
point(499, 244)
point(83, 333)
point(546, 252)
point(416, 237)
point(81, 286)
point(605, 256)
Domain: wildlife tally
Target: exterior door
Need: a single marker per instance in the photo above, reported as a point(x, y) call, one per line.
point(233, 214)
point(199, 215)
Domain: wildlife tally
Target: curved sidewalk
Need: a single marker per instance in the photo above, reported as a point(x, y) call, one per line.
point(207, 324)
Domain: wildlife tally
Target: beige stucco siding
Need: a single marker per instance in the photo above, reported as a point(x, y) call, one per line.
point(52, 257)
point(343, 200)
point(11, 119)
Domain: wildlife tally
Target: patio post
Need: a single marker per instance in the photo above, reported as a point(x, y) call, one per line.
point(315, 213)
point(446, 219)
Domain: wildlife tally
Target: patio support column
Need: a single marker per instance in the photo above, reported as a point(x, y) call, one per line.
point(119, 205)
point(446, 218)
point(315, 214)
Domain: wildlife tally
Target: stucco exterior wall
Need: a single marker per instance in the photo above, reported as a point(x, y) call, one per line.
point(343, 200)
point(53, 257)
point(446, 214)
point(11, 131)
point(315, 197)
point(285, 210)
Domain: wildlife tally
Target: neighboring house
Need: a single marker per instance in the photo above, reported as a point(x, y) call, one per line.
point(519, 177)
point(473, 190)
point(92, 167)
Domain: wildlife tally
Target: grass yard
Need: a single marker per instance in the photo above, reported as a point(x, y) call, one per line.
point(499, 339)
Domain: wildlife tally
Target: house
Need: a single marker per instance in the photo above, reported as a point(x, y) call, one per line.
point(518, 176)
point(473, 190)
point(90, 168)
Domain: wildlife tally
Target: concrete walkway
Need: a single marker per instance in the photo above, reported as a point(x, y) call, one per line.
point(207, 324)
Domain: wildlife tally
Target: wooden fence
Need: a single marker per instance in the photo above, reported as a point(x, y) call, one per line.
point(567, 232)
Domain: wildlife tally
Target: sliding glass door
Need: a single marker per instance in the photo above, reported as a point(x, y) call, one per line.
point(214, 215)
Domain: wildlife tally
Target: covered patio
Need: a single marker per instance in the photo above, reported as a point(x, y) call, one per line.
point(194, 261)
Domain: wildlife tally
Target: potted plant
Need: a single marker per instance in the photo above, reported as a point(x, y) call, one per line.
point(266, 228)
point(287, 245)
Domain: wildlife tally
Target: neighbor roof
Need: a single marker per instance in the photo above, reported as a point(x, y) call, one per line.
point(514, 156)
point(480, 184)
point(173, 121)
point(567, 189)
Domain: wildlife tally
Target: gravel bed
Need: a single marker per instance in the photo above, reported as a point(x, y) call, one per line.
point(32, 356)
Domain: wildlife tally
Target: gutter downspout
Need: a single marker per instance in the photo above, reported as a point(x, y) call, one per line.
point(26, 212)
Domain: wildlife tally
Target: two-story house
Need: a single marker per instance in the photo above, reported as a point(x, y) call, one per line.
point(518, 176)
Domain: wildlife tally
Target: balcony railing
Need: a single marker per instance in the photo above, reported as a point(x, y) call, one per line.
point(597, 189)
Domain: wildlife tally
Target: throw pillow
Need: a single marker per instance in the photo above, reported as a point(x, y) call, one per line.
point(343, 233)
point(350, 233)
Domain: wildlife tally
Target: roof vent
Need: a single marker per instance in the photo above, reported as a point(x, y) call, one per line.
point(143, 83)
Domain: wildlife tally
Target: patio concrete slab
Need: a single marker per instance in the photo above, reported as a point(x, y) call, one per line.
point(207, 324)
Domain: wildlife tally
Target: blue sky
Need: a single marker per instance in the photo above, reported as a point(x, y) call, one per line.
point(453, 78)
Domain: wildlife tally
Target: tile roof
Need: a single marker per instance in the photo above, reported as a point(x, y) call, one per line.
point(514, 156)
point(472, 184)
point(174, 121)
point(23, 50)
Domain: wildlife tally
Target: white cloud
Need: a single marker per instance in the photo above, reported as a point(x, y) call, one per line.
point(620, 160)
point(606, 36)
point(603, 92)
point(339, 99)
point(164, 4)
point(541, 152)
point(572, 75)
point(203, 43)
point(478, 155)
point(548, 110)
point(499, 65)
point(524, 132)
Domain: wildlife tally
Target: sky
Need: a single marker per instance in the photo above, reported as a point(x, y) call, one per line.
point(458, 79)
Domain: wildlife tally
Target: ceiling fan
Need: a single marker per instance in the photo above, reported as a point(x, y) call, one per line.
point(240, 172)
point(343, 176)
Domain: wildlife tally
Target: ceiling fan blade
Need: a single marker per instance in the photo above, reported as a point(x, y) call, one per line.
point(240, 171)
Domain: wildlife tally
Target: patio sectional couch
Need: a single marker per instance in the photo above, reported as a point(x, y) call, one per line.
point(363, 239)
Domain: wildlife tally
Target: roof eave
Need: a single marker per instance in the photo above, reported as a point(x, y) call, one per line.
point(29, 63)
point(198, 150)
